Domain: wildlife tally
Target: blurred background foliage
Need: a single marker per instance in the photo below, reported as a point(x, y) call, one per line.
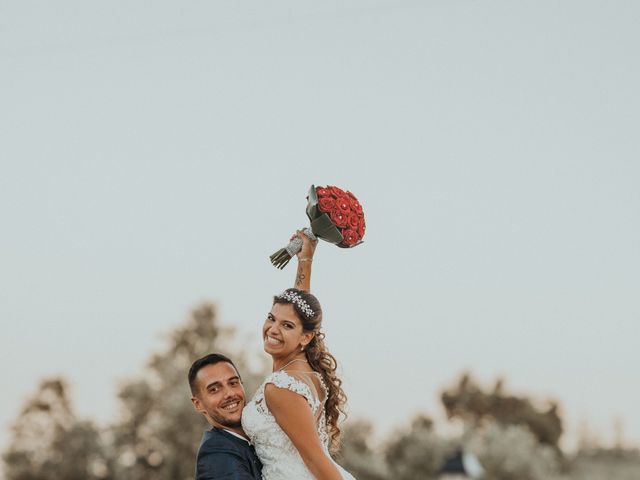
point(157, 432)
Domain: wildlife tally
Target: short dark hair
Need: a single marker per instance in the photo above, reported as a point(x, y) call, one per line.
point(210, 359)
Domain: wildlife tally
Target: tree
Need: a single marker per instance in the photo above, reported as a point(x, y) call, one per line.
point(357, 456)
point(50, 443)
point(512, 452)
point(159, 431)
point(418, 453)
point(474, 406)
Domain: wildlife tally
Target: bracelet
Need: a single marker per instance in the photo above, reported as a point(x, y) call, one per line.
point(305, 259)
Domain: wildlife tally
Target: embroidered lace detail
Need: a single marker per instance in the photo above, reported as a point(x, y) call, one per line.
point(280, 459)
point(282, 379)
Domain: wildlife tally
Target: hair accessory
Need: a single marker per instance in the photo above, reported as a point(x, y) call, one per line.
point(293, 297)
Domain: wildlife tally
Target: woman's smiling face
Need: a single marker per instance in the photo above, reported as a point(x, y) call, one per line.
point(282, 331)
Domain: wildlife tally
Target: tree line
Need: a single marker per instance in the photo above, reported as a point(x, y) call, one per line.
point(157, 433)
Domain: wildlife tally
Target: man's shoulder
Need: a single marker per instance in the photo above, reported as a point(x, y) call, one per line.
point(217, 440)
point(223, 456)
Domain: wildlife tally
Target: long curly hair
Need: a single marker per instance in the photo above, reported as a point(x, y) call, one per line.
point(321, 361)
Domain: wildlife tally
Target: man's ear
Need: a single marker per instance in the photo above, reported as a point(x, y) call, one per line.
point(197, 405)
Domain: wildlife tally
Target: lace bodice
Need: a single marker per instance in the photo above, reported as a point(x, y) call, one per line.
point(280, 459)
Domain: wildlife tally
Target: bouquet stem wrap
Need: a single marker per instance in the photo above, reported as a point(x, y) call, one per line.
point(281, 258)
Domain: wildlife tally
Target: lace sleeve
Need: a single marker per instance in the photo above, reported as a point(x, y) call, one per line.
point(297, 384)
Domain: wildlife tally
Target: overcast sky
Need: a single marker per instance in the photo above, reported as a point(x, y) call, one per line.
point(153, 155)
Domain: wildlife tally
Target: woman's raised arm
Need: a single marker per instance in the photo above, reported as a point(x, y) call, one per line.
point(305, 258)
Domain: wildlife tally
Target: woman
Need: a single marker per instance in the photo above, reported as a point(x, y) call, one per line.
point(292, 419)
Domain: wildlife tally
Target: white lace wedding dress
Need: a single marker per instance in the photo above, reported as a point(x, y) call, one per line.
point(280, 459)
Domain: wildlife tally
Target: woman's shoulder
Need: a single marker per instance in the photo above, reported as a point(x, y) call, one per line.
point(287, 378)
point(296, 381)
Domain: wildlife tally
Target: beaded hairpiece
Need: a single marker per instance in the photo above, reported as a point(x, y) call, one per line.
point(296, 299)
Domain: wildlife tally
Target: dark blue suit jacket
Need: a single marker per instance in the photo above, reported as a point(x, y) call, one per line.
point(223, 456)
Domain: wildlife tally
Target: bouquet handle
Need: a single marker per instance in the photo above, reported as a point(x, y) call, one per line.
point(281, 258)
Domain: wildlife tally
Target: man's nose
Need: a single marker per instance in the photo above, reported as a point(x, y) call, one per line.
point(228, 392)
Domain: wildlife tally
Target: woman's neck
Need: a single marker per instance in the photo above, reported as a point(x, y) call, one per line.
point(280, 363)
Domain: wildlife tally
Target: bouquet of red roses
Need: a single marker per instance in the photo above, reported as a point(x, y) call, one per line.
point(336, 216)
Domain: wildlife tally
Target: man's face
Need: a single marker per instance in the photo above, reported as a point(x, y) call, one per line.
point(220, 395)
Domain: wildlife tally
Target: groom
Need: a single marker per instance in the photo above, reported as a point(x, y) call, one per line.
point(217, 392)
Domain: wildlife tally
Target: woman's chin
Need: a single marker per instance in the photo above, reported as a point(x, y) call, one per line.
point(274, 350)
point(270, 349)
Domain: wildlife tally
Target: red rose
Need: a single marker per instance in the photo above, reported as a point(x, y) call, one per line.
point(351, 196)
point(339, 218)
point(326, 204)
point(361, 228)
point(350, 237)
point(323, 192)
point(355, 204)
point(357, 209)
point(354, 221)
point(336, 192)
point(343, 204)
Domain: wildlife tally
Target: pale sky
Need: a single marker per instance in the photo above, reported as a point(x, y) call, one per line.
point(152, 155)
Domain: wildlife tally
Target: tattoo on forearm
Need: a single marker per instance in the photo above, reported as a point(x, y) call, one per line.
point(300, 276)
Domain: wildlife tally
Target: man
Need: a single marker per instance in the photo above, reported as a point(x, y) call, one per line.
point(217, 392)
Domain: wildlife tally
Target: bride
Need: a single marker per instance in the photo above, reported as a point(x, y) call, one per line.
point(292, 419)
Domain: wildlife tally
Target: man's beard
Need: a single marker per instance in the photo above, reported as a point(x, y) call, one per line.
point(226, 422)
